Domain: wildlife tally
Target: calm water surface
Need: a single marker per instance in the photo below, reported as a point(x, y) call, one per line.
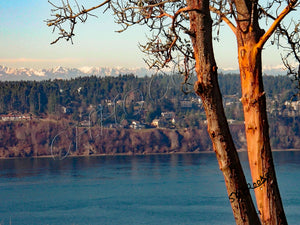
point(121, 190)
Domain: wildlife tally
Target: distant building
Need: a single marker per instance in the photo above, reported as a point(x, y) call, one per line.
point(229, 103)
point(295, 105)
point(159, 123)
point(85, 123)
point(229, 100)
point(230, 121)
point(155, 122)
point(186, 104)
point(168, 115)
point(289, 113)
point(141, 103)
point(173, 120)
point(67, 110)
point(120, 102)
point(115, 125)
point(16, 117)
point(137, 125)
point(109, 102)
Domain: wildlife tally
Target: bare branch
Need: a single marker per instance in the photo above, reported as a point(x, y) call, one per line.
point(292, 4)
point(293, 71)
point(65, 13)
point(67, 8)
point(224, 18)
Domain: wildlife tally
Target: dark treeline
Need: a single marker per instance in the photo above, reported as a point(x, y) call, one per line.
point(160, 92)
point(275, 86)
point(45, 96)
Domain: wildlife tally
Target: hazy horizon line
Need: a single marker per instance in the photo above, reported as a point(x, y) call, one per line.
point(85, 67)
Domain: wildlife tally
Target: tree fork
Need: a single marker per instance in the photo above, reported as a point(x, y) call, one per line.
point(208, 89)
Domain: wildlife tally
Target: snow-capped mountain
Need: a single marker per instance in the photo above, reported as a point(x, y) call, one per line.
point(11, 74)
point(278, 70)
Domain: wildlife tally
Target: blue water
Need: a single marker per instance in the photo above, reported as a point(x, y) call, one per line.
point(121, 190)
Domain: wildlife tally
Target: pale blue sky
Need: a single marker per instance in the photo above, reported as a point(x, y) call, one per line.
point(25, 41)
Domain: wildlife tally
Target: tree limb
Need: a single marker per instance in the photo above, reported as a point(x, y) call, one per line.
point(224, 18)
point(285, 11)
point(60, 18)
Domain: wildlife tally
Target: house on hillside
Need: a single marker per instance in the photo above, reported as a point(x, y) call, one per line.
point(67, 110)
point(186, 104)
point(168, 115)
point(155, 122)
point(137, 125)
point(16, 117)
point(159, 123)
point(295, 105)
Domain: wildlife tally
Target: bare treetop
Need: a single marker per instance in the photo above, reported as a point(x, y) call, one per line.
point(168, 22)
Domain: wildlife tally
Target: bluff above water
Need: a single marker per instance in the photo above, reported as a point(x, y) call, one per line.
point(61, 138)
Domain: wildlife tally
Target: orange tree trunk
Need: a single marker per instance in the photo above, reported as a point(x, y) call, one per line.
point(257, 129)
point(208, 89)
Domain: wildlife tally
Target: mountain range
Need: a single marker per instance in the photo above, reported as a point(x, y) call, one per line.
point(12, 74)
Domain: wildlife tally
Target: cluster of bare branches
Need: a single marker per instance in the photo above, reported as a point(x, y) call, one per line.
point(65, 17)
point(286, 38)
point(291, 59)
point(168, 21)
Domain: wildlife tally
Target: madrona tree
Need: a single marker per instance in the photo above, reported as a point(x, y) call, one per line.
point(250, 41)
point(181, 35)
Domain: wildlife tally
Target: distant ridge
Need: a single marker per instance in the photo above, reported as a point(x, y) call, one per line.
point(11, 74)
point(278, 70)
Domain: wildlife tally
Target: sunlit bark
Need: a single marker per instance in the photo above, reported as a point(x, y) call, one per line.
point(207, 87)
point(250, 39)
point(257, 133)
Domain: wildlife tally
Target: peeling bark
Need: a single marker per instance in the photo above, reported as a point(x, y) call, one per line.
point(256, 125)
point(208, 89)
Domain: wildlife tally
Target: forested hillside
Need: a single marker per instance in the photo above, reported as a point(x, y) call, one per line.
point(158, 92)
point(92, 115)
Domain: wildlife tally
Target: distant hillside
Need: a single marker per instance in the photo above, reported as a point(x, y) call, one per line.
point(114, 115)
point(130, 97)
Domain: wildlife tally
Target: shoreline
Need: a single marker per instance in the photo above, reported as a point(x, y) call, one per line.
point(135, 154)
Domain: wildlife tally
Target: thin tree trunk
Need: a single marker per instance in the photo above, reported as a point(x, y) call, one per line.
point(257, 130)
point(208, 89)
